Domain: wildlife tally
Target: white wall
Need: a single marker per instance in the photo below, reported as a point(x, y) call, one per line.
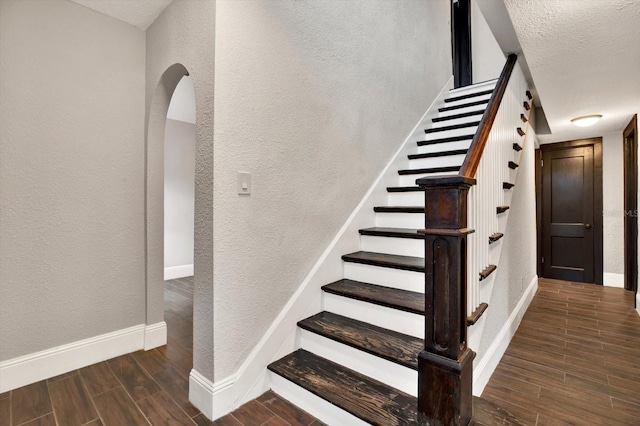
point(613, 209)
point(486, 55)
point(71, 173)
point(183, 102)
point(179, 170)
point(182, 39)
point(312, 98)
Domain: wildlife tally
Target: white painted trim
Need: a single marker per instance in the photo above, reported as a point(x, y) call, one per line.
point(488, 363)
point(638, 303)
point(155, 335)
point(613, 280)
point(211, 399)
point(42, 365)
point(279, 339)
point(180, 271)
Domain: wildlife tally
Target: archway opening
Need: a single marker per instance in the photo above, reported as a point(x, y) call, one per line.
point(178, 209)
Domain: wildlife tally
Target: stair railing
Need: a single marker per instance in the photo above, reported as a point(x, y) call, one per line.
point(460, 215)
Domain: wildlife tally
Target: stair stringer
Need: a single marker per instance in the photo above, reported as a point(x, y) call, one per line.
point(476, 332)
point(282, 337)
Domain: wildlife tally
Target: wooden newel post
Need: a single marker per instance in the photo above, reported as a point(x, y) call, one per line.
point(445, 365)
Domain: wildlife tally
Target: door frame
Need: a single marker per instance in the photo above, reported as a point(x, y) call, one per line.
point(630, 135)
point(461, 43)
point(597, 200)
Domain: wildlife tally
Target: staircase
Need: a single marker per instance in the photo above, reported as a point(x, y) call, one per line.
point(358, 362)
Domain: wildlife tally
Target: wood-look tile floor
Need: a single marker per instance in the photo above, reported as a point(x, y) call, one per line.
point(574, 360)
point(142, 388)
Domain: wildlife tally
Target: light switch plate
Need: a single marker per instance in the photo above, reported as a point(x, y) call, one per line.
point(244, 183)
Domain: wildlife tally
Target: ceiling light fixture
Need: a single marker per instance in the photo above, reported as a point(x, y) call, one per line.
point(586, 120)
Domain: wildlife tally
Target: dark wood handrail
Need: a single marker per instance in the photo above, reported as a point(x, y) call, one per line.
point(479, 141)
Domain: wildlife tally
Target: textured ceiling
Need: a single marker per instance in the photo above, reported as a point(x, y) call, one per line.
point(584, 57)
point(139, 13)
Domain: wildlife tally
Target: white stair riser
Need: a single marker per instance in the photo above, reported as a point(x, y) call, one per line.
point(399, 246)
point(449, 160)
point(467, 100)
point(312, 404)
point(392, 319)
point(462, 120)
point(473, 108)
point(474, 88)
point(445, 146)
point(390, 373)
point(464, 131)
point(388, 277)
point(412, 198)
point(400, 220)
point(410, 180)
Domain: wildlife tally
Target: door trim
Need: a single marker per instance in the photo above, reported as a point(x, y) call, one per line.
point(597, 199)
point(631, 245)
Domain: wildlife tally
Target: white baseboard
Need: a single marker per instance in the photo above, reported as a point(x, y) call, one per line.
point(155, 335)
point(202, 393)
point(180, 271)
point(42, 365)
point(613, 280)
point(638, 303)
point(487, 365)
point(252, 379)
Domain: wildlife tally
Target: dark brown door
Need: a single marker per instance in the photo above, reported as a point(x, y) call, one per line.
point(568, 225)
point(630, 136)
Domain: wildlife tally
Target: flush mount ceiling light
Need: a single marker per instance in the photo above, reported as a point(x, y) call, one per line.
point(586, 120)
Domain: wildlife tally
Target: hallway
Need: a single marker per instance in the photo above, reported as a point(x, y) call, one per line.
point(575, 359)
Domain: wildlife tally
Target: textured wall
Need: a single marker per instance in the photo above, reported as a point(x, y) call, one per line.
point(183, 34)
point(71, 173)
point(517, 265)
point(613, 203)
point(179, 169)
point(486, 55)
point(313, 98)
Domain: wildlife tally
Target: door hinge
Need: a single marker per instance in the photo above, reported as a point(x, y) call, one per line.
point(542, 259)
point(541, 163)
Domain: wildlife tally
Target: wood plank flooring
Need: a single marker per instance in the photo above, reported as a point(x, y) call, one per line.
point(574, 360)
point(143, 388)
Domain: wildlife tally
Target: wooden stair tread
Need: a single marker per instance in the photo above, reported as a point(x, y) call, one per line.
point(456, 116)
point(398, 209)
point(507, 185)
point(404, 189)
point(475, 315)
point(438, 154)
point(452, 127)
point(428, 170)
point(466, 105)
point(402, 300)
point(393, 232)
point(366, 398)
point(517, 147)
point(513, 165)
point(407, 263)
point(469, 95)
point(495, 237)
point(381, 342)
point(502, 209)
point(487, 271)
point(445, 140)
